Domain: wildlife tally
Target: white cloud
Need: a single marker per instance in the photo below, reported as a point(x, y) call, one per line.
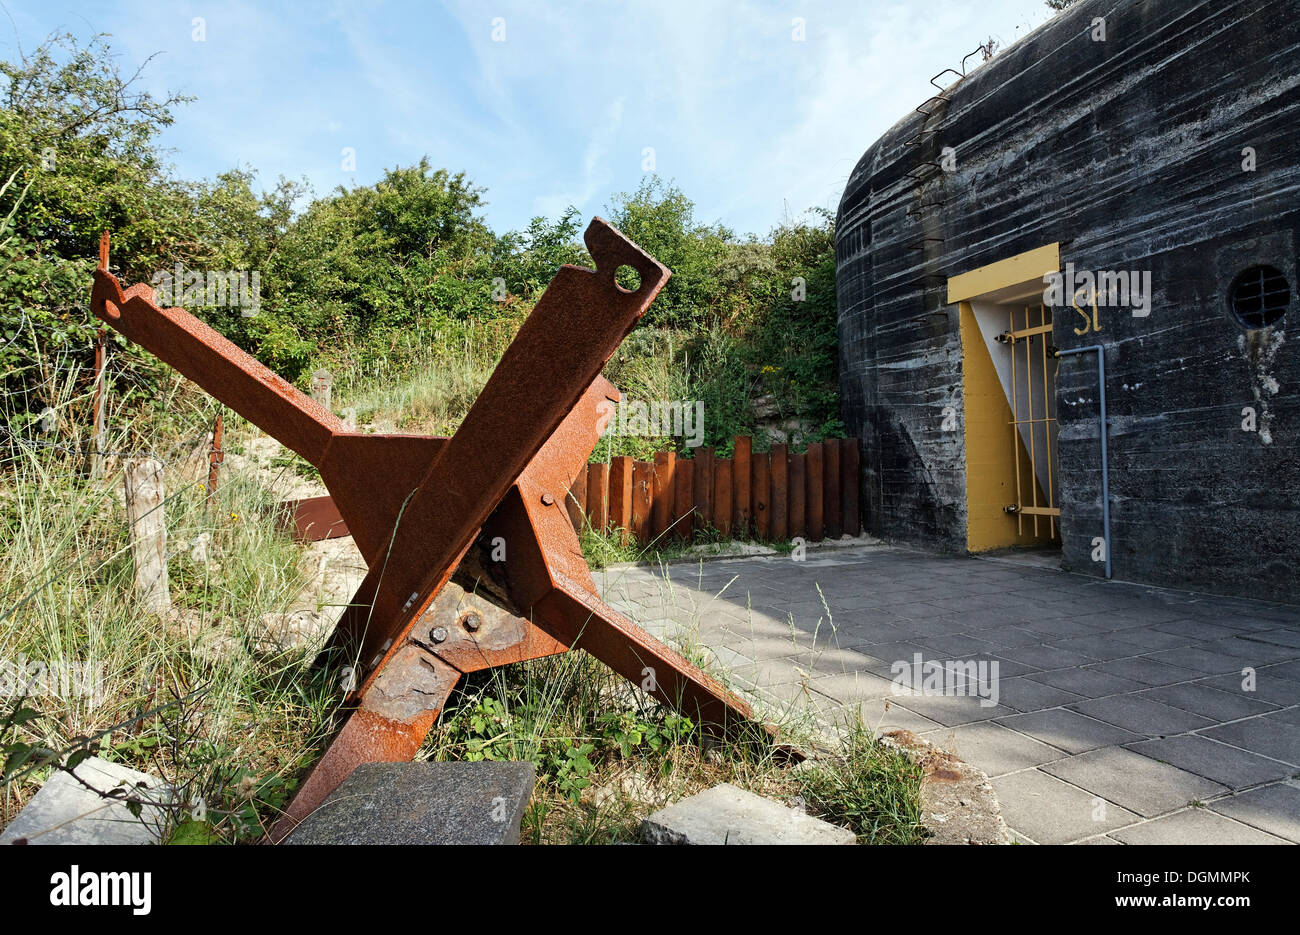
point(748, 122)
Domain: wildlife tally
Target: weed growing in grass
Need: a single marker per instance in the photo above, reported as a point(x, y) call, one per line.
point(606, 753)
point(869, 788)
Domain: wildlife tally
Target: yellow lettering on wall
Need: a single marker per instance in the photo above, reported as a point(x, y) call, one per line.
point(1092, 323)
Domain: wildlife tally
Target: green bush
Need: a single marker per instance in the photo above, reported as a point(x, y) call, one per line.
point(363, 279)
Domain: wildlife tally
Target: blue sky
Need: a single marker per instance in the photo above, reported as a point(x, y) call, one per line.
point(752, 124)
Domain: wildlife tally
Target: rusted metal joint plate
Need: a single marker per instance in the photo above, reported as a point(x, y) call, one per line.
point(470, 632)
point(397, 714)
point(313, 519)
point(414, 682)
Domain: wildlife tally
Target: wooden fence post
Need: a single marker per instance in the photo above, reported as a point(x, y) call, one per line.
point(775, 496)
point(144, 511)
point(831, 489)
point(780, 496)
point(761, 492)
point(852, 466)
point(598, 495)
point(815, 473)
point(643, 480)
point(620, 496)
point(703, 483)
point(683, 499)
point(322, 387)
point(722, 476)
point(576, 501)
point(216, 456)
point(741, 513)
point(798, 495)
point(662, 509)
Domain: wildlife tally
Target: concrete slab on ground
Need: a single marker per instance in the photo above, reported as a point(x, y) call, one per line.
point(726, 814)
point(65, 811)
point(1121, 709)
point(423, 803)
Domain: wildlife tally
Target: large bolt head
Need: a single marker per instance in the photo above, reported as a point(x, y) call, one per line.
point(438, 634)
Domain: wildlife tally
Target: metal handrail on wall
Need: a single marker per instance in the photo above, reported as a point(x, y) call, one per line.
point(1105, 431)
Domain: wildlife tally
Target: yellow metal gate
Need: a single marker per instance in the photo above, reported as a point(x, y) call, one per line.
point(1033, 419)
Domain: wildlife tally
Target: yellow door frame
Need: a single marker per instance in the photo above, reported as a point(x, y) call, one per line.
point(991, 463)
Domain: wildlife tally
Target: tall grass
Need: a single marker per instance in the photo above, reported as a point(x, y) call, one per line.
point(427, 382)
point(193, 697)
point(233, 724)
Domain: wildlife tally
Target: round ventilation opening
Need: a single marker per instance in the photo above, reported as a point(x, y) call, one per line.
point(1259, 297)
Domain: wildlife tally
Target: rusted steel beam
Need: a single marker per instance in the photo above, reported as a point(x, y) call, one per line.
point(574, 612)
point(741, 481)
point(558, 352)
point(662, 513)
point(831, 486)
point(553, 587)
point(467, 629)
point(780, 498)
point(722, 496)
point(423, 510)
point(216, 455)
point(214, 363)
point(643, 479)
point(387, 727)
point(814, 478)
point(703, 484)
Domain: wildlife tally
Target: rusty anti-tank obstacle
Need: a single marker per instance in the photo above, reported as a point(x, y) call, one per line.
point(425, 512)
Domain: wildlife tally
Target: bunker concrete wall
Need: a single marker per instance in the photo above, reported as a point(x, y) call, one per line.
point(1129, 152)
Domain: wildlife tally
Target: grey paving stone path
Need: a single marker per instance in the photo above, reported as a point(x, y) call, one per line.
point(1124, 714)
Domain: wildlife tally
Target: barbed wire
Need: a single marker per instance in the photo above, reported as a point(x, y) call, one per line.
point(183, 444)
point(63, 328)
point(18, 331)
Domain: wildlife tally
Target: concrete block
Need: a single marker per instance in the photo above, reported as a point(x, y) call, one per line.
point(423, 803)
point(1069, 730)
point(1194, 826)
point(1207, 701)
point(1136, 782)
point(1142, 715)
point(993, 748)
point(66, 812)
point(1087, 682)
point(1048, 811)
point(1217, 762)
point(1147, 671)
point(1024, 694)
point(1263, 735)
point(728, 815)
point(1275, 809)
